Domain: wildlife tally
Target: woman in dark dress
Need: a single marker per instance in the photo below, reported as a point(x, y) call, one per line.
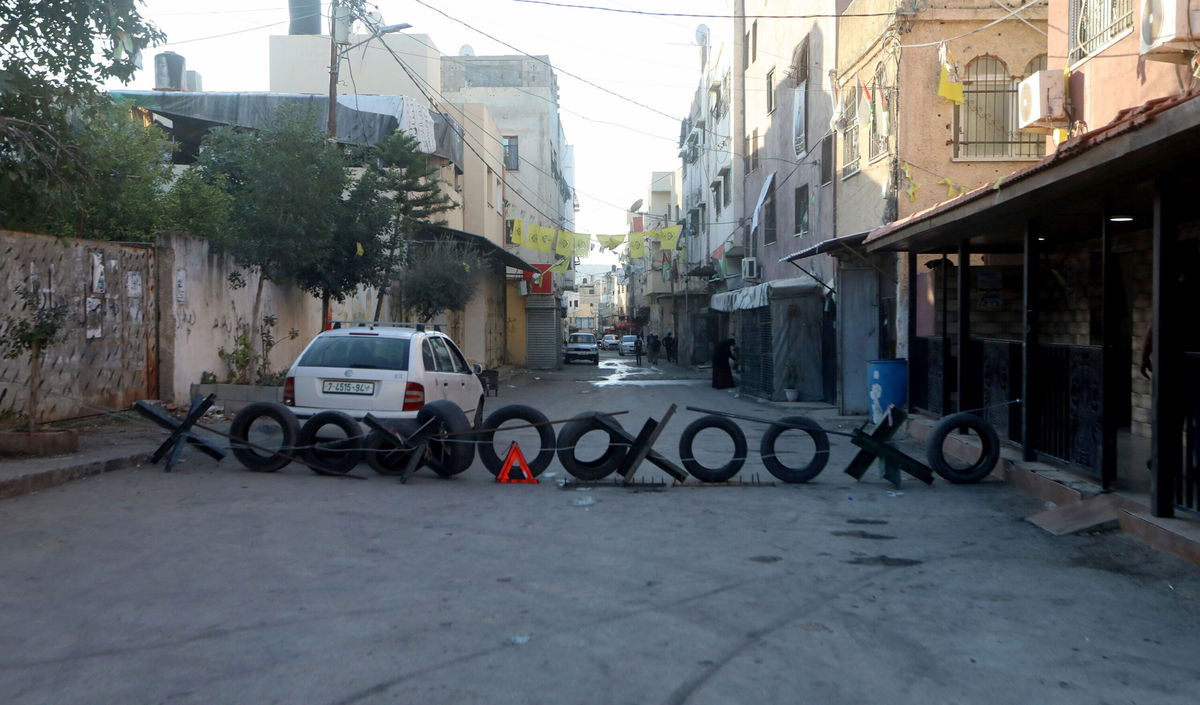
point(722, 374)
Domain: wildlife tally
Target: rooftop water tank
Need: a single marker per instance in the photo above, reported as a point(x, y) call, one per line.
point(305, 16)
point(169, 71)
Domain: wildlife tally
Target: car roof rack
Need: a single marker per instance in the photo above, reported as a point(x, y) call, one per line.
point(388, 324)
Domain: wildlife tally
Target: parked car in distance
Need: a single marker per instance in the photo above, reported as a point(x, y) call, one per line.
point(628, 345)
point(581, 345)
point(389, 372)
point(610, 342)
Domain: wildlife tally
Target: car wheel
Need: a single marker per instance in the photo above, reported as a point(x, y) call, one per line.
point(384, 454)
point(787, 473)
point(332, 457)
point(240, 430)
point(447, 455)
point(517, 412)
point(597, 468)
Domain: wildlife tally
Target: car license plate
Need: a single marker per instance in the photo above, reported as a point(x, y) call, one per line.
point(337, 386)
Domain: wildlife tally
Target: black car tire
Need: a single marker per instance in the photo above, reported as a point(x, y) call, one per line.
point(338, 457)
point(589, 470)
point(240, 430)
point(703, 472)
point(487, 450)
point(789, 474)
point(382, 452)
point(447, 456)
point(989, 453)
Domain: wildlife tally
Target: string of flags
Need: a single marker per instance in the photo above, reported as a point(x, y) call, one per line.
point(567, 244)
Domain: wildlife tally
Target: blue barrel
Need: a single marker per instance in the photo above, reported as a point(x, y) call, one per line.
point(887, 384)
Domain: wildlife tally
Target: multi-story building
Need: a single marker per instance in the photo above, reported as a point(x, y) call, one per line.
point(649, 277)
point(521, 95)
point(711, 188)
point(1052, 298)
point(783, 315)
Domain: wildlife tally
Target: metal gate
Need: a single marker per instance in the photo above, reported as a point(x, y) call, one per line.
point(541, 332)
point(754, 352)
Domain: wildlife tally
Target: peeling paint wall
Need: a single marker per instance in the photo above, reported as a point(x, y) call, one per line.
point(105, 357)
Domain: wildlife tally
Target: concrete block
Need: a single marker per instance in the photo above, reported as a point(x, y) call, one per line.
point(39, 443)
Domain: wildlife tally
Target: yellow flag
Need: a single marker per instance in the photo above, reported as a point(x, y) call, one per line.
point(949, 86)
point(637, 246)
point(583, 243)
point(540, 237)
point(358, 248)
point(561, 265)
point(669, 237)
point(566, 243)
point(518, 232)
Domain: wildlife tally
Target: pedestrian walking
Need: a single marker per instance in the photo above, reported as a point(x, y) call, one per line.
point(653, 347)
point(669, 346)
point(722, 372)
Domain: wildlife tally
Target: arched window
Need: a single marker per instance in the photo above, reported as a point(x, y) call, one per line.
point(1037, 63)
point(986, 122)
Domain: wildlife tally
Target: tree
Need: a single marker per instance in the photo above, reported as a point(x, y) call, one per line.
point(285, 184)
point(439, 275)
point(32, 333)
point(409, 182)
point(53, 56)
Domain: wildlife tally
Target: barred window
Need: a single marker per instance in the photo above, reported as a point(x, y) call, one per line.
point(801, 196)
point(768, 217)
point(512, 157)
point(850, 132)
point(986, 122)
point(1095, 23)
point(880, 117)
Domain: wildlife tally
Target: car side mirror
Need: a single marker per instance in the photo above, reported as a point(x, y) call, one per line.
point(478, 368)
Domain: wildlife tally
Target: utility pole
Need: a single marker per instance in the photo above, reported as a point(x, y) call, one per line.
point(334, 60)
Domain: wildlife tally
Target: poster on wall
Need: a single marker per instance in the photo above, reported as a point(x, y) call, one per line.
point(180, 285)
point(98, 284)
point(94, 316)
point(133, 285)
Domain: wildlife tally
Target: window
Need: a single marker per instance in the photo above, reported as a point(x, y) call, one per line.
point(703, 218)
point(827, 159)
point(359, 352)
point(801, 210)
point(512, 155)
point(460, 360)
point(746, 154)
point(768, 218)
point(1096, 23)
point(771, 91)
point(746, 51)
point(986, 122)
point(850, 132)
point(754, 41)
point(799, 74)
point(445, 363)
point(728, 192)
point(716, 187)
point(880, 116)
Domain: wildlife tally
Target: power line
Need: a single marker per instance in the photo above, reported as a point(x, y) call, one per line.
point(702, 15)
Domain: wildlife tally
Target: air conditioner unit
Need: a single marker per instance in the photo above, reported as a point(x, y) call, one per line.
point(750, 268)
point(1040, 103)
point(1169, 29)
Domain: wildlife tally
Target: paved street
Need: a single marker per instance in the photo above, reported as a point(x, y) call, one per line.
point(215, 585)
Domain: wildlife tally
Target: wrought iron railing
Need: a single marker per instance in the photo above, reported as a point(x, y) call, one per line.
point(1187, 481)
point(1095, 23)
point(1068, 422)
point(994, 382)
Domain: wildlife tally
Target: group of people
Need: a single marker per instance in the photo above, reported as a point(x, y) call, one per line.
point(655, 346)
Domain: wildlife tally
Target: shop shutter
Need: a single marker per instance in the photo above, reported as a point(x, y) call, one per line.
point(541, 332)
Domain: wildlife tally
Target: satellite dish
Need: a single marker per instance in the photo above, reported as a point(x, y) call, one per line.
point(466, 50)
point(702, 35)
point(636, 205)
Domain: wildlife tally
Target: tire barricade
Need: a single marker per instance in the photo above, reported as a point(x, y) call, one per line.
point(442, 439)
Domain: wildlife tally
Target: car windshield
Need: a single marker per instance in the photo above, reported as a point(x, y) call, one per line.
point(582, 338)
point(629, 339)
point(364, 353)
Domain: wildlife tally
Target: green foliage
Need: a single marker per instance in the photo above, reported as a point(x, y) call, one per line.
point(208, 377)
point(241, 358)
point(285, 185)
point(33, 332)
point(245, 358)
point(53, 56)
point(440, 275)
point(199, 206)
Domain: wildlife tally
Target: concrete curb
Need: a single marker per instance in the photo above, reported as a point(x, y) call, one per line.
point(38, 480)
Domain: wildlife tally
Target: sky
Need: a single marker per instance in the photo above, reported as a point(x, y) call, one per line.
point(644, 59)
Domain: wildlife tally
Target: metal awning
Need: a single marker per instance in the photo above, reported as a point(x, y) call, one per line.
point(845, 242)
point(481, 244)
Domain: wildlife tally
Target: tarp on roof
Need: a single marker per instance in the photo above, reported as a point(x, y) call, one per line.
point(749, 297)
point(364, 120)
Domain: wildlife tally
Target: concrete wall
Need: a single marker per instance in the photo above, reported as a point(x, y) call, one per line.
point(300, 64)
point(105, 357)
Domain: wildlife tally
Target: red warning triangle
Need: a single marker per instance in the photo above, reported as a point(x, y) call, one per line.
point(515, 455)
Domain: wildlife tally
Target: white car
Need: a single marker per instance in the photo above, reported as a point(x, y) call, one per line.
point(628, 345)
point(581, 346)
point(610, 342)
point(389, 372)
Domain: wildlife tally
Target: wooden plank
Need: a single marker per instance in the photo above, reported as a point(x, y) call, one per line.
point(643, 444)
point(1101, 511)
